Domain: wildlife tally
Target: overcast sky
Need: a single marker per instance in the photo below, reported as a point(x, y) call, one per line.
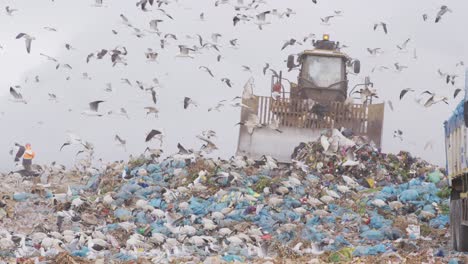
point(88, 29)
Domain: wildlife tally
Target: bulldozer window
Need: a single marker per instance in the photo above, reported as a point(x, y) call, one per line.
point(323, 71)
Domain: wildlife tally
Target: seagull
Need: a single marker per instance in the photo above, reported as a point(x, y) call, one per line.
point(153, 133)
point(10, 11)
point(18, 98)
point(121, 141)
point(290, 42)
point(202, 16)
point(451, 79)
point(261, 20)
point(443, 9)
point(69, 47)
point(72, 139)
point(52, 97)
point(93, 109)
point(399, 134)
point(383, 25)
point(152, 110)
point(122, 111)
point(326, 20)
point(434, 99)
point(233, 43)
point(457, 91)
point(150, 55)
point(188, 101)
point(66, 65)
point(399, 67)
point(154, 24)
point(227, 81)
point(207, 70)
point(209, 146)
point(252, 122)
point(184, 51)
point(49, 57)
point(215, 37)
point(288, 12)
point(218, 106)
point(424, 17)
point(246, 68)
point(143, 4)
point(125, 20)
point(403, 46)
point(405, 91)
point(153, 96)
point(374, 51)
point(28, 39)
point(125, 80)
point(50, 29)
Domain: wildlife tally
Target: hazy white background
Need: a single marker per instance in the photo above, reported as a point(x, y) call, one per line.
point(88, 29)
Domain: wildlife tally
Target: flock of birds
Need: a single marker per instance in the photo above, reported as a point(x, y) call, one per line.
point(244, 12)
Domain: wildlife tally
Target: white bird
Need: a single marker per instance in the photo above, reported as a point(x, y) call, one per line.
point(27, 39)
point(261, 20)
point(185, 52)
point(326, 20)
point(252, 123)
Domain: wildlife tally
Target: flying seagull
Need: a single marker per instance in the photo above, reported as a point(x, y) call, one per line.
point(27, 39)
point(93, 109)
point(399, 67)
point(399, 134)
point(10, 11)
point(267, 65)
point(290, 42)
point(405, 91)
point(443, 9)
point(403, 46)
point(184, 52)
point(152, 110)
point(227, 82)
point(188, 101)
point(326, 20)
point(121, 141)
point(207, 70)
point(17, 96)
point(261, 20)
point(381, 24)
point(153, 133)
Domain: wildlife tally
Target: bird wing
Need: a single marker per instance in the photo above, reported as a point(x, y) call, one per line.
point(384, 27)
point(20, 35)
point(186, 102)
point(64, 144)
point(402, 93)
point(457, 91)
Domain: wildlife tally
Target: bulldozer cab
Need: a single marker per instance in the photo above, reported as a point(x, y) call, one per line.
point(322, 75)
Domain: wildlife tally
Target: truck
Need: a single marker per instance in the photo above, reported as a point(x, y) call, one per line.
point(457, 169)
point(300, 111)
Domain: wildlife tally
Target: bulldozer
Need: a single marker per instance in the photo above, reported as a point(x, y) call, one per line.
point(299, 112)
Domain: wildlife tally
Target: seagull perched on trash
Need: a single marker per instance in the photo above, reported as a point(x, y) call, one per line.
point(27, 39)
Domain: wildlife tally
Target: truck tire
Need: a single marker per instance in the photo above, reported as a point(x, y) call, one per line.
point(463, 239)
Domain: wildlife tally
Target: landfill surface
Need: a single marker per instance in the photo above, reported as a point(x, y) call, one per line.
point(341, 200)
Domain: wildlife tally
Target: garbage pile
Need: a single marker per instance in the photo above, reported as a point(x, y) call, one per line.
point(341, 200)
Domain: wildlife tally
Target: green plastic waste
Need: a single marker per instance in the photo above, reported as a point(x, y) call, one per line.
point(435, 176)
